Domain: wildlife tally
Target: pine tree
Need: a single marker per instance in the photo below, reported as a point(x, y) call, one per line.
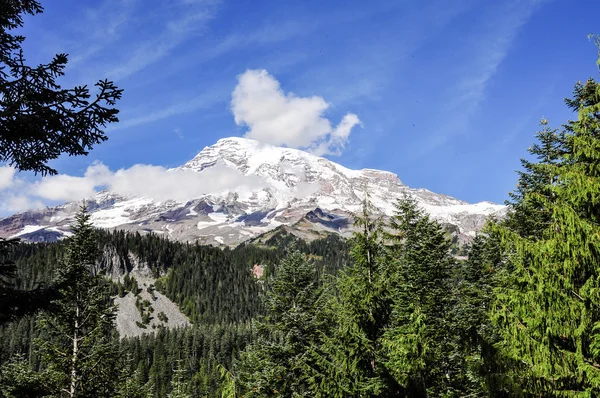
point(81, 322)
point(39, 119)
point(548, 309)
point(275, 364)
point(528, 215)
point(348, 362)
point(417, 343)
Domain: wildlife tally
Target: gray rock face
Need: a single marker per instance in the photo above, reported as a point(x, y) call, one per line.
point(112, 263)
point(289, 187)
point(129, 319)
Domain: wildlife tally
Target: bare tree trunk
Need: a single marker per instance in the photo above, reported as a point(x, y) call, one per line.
point(74, 355)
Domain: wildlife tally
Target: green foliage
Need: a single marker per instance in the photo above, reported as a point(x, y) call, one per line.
point(40, 119)
point(417, 341)
point(529, 214)
point(78, 348)
point(18, 380)
point(548, 308)
point(16, 302)
point(162, 317)
point(348, 361)
point(178, 384)
point(482, 367)
point(274, 364)
point(596, 39)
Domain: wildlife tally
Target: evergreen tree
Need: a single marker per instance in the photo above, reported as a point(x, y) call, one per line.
point(528, 214)
point(275, 364)
point(482, 368)
point(548, 309)
point(80, 325)
point(417, 343)
point(40, 120)
point(348, 362)
point(16, 302)
point(178, 383)
point(18, 380)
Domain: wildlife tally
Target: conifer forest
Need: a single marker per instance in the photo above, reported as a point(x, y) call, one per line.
point(398, 308)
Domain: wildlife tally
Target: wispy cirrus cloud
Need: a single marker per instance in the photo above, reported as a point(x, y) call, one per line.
point(485, 55)
point(100, 27)
point(173, 34)
point(118, 38)
point(184, 105)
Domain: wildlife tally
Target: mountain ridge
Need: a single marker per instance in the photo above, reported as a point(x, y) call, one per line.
point(268, 186)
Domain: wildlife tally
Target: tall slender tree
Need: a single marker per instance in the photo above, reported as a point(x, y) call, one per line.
point(482, 367)
point(417, 343)
point(349, 360)
point(80, 325)
point(529, 214)
point(39, 121)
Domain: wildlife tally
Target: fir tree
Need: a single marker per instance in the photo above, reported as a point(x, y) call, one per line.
point(417, 343)
point(482, 368)
point(178, 383)
point(275, 364)
point(18, 380)
point(548, 310)
point(40, 120)
point(348, 362)
point(81, 322)
point(528, 214)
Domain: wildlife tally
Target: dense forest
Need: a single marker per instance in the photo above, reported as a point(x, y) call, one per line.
point(391, 312)
point(214, 287)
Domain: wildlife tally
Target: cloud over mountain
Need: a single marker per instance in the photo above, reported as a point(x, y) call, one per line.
point(155, 182)
point(278, 118)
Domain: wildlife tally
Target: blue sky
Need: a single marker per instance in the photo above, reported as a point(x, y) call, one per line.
point(448, 93)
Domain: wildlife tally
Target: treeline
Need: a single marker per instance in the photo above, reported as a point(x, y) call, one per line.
point(519, 317)
point(214, 287)
point(392, 313)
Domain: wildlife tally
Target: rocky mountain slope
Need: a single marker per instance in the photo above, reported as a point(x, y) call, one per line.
point(306, 193)
point(160, 310)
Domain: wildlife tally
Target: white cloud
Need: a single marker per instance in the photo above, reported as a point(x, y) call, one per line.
point(161, 184)
point(140, 180)
point(68, 188)
point(7, 174)
point(277, 118)
point(18, 203)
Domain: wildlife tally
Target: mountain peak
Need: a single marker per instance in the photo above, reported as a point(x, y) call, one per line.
point(249, 142)
point(269, 186)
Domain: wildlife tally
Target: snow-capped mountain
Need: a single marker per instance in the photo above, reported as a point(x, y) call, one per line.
point(282, 187)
